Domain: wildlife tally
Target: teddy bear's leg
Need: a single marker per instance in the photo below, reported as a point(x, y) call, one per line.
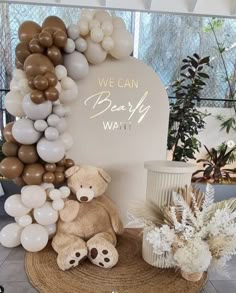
point(71, 250)
point(102, 251)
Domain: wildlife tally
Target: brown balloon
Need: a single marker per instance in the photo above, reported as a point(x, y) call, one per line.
point(28, 154)
point(37, 64)
point(31, 83)
point(37, 96)
point(54, 54)
point(41, 82)
point(60, 169)
point(11, 167)
point(35, 46)
point(19, 181)
point(52, 78)
point(51, 94)
point(48, 177)
point(61, 163)
point(7, 132)
point(22, 52)
point(27, 30)
point(35, 37)
point(33, 174)
point(69, 163)
point(10, 149)
point(59, 39)
point(50, 167)
point(59, 177)
point(45, 39)
point(54, 23)
point(19, 65)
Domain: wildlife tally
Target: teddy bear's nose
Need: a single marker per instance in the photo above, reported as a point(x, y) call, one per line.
point(84, 198)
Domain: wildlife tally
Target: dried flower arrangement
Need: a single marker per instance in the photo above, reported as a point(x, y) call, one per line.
point(194, 232)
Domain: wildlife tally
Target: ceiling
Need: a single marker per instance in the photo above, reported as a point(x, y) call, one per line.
point(226, 8)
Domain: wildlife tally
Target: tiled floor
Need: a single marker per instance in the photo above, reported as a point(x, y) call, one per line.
point(14, 280)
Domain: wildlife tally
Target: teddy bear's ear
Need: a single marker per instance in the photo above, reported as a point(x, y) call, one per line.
point(104, 175)
point(71, 171)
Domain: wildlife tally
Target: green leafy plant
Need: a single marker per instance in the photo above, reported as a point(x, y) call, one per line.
point(185, 119)
point(214, 164)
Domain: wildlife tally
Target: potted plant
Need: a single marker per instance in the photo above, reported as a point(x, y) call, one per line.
point(216, 172)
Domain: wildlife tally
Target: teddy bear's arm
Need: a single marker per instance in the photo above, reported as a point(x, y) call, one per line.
point(70, 211)
point(109, 206)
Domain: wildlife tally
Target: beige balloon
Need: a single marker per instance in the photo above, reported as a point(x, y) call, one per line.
point(95, 53)
point(123, 43)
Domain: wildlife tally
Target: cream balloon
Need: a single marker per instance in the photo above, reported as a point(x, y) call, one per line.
point(51, 229)
point(94, 23)
point(58, 87)
point(24, 86)
point(123, 43)
point(55, 194)
point(60, 72)
point(95, 53)
point(36, 111)
point(10, 235)
point(24, 132)
point(108, 44)
point(107, 27)
point(13, 103)
point(80, 45)
point(51, 133)
point(73, 31)
point(118, 22)
point(51, 151)
point(83, 27)
point(96, 35)
point(87, 14)
point(14, 206)
point(62, 125)
point(53, 120)
point(65, 191)
point(46, 186)
point(18, 74)
point(102, 15)
point(33, 196)
point(69, 96)
point(25, 220)
point(76, 65)
point(67, 83)
point(58, 204)
point(45, 215)
point(69, 46)
point(14, 85)
point(40, 125)
point(67, 140)
point(34, 238)
point(59, 110)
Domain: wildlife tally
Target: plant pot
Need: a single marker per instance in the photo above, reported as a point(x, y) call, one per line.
point(192, 277)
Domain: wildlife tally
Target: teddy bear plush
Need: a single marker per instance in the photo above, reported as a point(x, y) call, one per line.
point(88, 224)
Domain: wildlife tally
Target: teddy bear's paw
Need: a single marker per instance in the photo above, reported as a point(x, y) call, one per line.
point(72, 259)
point(103, 254)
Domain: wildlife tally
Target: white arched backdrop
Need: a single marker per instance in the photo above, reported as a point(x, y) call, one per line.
point(120, 121)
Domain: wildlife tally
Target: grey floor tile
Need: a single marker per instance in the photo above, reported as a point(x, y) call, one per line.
point(13, 272)
point(4, 252)
point(225, 286)
point(17, 254)
point(18, 287)
point(209, 288)
point(231, 271)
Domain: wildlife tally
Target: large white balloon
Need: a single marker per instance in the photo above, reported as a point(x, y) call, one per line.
point(36, 111)
point(51, 151)
point(123, 43)
point(25, 220)
point(33, 196)
point(13, 103)
point(60, 72)
point(76, 65)
point(46, 215)
point(34, 238)
point(10, 235)
point(14, 206)
point(95, 53)
point(67, 140)
point(51, 229)
point(24, 132)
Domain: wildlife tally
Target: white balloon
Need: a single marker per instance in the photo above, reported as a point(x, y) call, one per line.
point(76, 65)
point(14, 206)
point(60, 72)
point(69, 96)
point(95, 53)
point(118, 22)
point(59, 110)
point(36, 111)
point(67, 83)
point(51, 151)
point(62, 125)
point(40, 125)
point(18, 74)
point(83, 27)
point(53, 120)
point(24, 132)
point(69, 46)
point(24, 86)
point(14, 85)
point(73, 31)
point(51, 229)
point(123, 43)
point(107, 27)
point(17, 219)
point(51, 133)
point(58, 87)
point(46, 186)
point(46, 215)
point(33, 196)
point(65, 191)
point(108, 44)
point(96, 35)
point(25, 220)
point(102, 15)
point(34, 238)
point(88, 14)
point(58, 204)
point(94, 23)
point(67, 140)
point(10, 235)
point(55, 194)
point(13, 103)
point(80, 44)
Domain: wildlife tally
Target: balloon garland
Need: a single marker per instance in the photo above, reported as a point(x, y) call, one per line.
point(50, 59)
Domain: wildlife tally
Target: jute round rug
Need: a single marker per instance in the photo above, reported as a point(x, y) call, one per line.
point(131, 275)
